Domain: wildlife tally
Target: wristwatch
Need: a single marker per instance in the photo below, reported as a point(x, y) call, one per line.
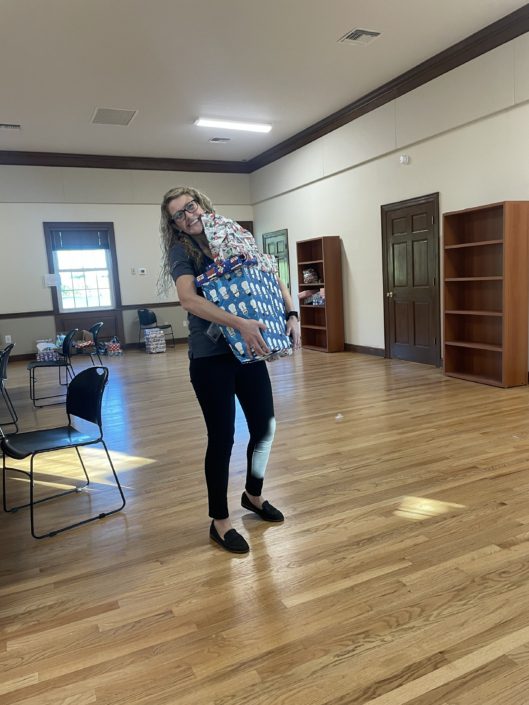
point(292, 313)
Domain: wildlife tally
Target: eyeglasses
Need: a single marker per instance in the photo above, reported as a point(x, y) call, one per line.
point(188, 208)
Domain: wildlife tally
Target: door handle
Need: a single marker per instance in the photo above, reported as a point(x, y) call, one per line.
point(389, 294)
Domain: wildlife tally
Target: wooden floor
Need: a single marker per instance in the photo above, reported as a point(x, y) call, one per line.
point(401, 575)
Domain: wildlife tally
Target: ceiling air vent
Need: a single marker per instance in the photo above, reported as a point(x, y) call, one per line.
point(109, 116)
point(9, 126)
point(359, 36)
point(220, 140)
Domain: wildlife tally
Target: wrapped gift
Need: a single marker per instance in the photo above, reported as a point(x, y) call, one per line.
point(85, 340)
point(239, 286)
point(227, 238)
point(47, 351)
point(113, 347)
point(154, 340)
point(48, 356)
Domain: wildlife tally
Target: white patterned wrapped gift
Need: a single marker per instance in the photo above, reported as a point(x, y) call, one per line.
point(154, 340)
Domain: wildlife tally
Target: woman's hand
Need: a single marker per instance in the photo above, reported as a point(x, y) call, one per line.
point(197, 305)
point(251, 334)
point(292, 328)
point(294, 331)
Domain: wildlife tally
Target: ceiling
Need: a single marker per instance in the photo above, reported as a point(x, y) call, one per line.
point(173, 60)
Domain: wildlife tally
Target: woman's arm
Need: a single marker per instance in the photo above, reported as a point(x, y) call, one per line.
point(249, 329)
point(292, 328)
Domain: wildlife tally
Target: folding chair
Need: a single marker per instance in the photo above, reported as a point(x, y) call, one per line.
point(83, 400)
point(4, 359)
point(147, 319)
point(63, 363)
point(93, 348)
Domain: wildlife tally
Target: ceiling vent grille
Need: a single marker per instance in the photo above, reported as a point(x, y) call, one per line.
point(110, 116)
point(220, 140)
point(360, 36)
point(10, 126)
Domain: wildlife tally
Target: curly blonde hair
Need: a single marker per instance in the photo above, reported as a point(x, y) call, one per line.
point(170, 234)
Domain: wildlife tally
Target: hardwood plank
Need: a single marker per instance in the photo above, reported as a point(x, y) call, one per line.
point(399, 576)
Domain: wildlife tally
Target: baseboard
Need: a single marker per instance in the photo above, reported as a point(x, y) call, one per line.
point(24, 356)
point(141, 346)
point(127, 346)
point(378, 352)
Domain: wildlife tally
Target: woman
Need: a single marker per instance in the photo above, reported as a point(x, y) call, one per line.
point(216, 375)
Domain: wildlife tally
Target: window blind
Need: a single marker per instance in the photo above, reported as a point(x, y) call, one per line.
point(79, 240)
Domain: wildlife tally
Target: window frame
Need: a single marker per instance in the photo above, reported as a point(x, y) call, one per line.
point(49, 229)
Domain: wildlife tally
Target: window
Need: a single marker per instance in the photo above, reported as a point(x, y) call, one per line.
point(85, 279)
point(83, 262)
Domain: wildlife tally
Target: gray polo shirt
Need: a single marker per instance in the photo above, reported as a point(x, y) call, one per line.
point(200, 344)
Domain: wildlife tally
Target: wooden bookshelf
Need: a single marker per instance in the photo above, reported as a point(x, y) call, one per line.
point(322, 326)
point(486, 280)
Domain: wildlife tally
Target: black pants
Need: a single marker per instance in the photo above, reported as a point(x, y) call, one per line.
point(217, 380)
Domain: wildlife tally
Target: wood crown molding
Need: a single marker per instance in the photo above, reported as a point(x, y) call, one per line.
point(103, 161)
point(488, 38)
point(494, 35)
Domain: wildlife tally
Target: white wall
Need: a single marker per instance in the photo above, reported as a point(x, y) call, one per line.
point(467, 134)
point(130, 200)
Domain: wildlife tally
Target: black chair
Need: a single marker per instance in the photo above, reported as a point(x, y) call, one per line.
point(148, 319)
point(4, 359)
point(63, 363)
point(94, 348)
point(84, 398)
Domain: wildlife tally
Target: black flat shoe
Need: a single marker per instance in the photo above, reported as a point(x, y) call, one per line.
point(268, 511)
point(232, 541)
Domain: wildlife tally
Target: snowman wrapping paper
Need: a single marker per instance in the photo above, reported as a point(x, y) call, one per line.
point(239, 286)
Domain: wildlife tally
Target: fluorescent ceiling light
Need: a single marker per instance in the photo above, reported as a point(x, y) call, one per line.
point(231, 125)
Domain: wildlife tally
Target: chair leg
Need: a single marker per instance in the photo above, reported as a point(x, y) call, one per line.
point(83, 466)
point(32, 385)
point(10, 408)
point(169, 331)
point(69, 375)
point(118, 483)
point(96, 354)
point(101, 515)
point(4, 486)
point(28, 475)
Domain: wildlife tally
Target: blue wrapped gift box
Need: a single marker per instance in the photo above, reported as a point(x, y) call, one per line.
point(239, 286)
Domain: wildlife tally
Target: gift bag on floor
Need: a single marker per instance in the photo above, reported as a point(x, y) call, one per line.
point(112, 348)
point(154, 340)
point(239, 286)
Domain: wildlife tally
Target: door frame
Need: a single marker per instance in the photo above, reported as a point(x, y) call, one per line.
point(384, 210)
point(268, 236)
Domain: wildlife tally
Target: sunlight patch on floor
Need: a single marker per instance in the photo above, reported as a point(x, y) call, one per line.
point(420, 508)
point(66, 464)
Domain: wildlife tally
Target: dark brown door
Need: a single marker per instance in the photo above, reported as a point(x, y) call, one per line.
point(410, 234)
